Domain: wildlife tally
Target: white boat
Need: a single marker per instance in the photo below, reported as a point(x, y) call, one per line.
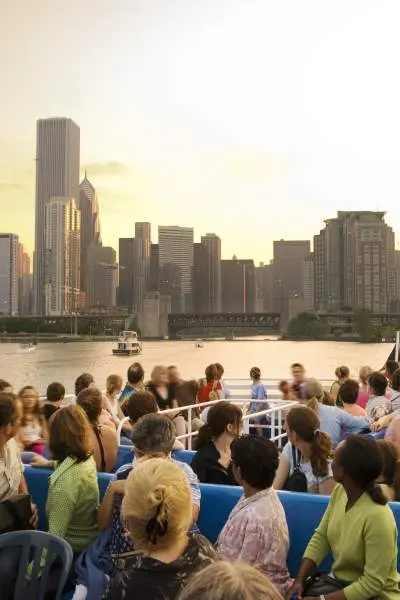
point(24, 348)
point(128, 344)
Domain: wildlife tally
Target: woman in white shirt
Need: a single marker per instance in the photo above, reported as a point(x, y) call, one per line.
point(314, 452)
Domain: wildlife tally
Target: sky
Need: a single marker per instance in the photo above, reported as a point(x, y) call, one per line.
point(253, 119)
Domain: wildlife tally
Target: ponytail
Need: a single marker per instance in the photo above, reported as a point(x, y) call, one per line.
point(313, 404)
point(374, 491)
point(321, 452)
point(205, 435)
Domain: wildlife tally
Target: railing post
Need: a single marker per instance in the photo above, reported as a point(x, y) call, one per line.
point(190, 429)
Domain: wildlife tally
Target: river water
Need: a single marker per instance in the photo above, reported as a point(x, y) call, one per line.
point(64, 362)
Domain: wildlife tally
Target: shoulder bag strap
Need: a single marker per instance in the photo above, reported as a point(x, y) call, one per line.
point(296, 456)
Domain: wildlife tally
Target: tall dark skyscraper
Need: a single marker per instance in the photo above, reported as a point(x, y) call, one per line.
point(233, 276)
point(90, 225)
point(288, 272)
point(207, 275)
point(126, 273)
point(142, 261)
point(154, 284)
point(57, 176)
point(176, 248)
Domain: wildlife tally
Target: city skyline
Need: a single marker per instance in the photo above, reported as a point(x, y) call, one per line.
point(294, 112)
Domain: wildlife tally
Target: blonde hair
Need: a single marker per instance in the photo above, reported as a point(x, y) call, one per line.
point(230, 581)
point(364, 374)
point(157, 505)
point(314, 394)
point(157, 372)
point(113, 383)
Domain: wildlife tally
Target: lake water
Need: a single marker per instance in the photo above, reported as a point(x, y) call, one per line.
point(64, 362)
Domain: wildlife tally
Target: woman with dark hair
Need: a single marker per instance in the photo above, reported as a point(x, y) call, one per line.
point(309, 450)
point(212, 463)
point(103, 435)
point(341, 374)
point(390, 476)
point(358, 528)
point(256, 531)
point(348, 395)
point(211, 388)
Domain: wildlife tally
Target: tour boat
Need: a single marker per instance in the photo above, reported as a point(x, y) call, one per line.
point(128, 344)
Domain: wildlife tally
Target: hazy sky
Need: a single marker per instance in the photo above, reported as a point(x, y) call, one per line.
point(254, 119)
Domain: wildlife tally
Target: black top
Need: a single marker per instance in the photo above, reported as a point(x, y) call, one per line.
point(49, 409)
point(207, 468)
point(163, 403)
point(149, 579)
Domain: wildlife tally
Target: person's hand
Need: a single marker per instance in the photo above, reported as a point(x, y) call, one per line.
point(40, 461)
point(35, 516)
point(377, 426)
point(297, 588)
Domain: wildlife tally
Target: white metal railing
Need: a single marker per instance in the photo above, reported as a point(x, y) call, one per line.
point(274, 412)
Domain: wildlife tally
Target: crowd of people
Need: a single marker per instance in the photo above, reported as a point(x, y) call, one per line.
point(142, 540)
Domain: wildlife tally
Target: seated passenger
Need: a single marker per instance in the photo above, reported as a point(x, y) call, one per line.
point(358, 528)
point(135, 383)
point(308, 450)
point(110, 399)
point(5, 386)
point(363, 395)
point(226, 581)
point(342, 374)
point(83, 382)
point(258, 394)
point(33, 431)
point(378, 405)
point(165, 395)
point(256, 531)
point(73, 495)
point(348, 395)
point(153, 436)
point(389, 479)
point(158, 511)
point(103, 435)
point(337, 423)
point(54, 397)
point(212, 462)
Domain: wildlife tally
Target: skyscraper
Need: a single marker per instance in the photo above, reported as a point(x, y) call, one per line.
point(207, 275)
point(288, 272)
point(102, 275)
point(90, 224)
point(57, 175)
point(233, 278)
point(154, 285)
point(62, 256)
point(24, 281)
point(126, 273)
point(176, 248)
point(8, 274)
point(308, 283)
point(264, 286)
point(141, 257)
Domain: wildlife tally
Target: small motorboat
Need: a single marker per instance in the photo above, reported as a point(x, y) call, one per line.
point(198, 345)
point(128, 344)
point(25, 348)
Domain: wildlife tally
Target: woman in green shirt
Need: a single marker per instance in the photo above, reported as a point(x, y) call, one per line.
point(73, 495)
point(358, 528)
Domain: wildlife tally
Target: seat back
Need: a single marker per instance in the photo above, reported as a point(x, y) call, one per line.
point(185, 456)
point(125, 456)
point(32, 544)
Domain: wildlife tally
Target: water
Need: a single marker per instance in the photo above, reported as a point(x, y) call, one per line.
point(64, 362)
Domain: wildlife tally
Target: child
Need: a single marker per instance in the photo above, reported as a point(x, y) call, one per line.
point(33, 431)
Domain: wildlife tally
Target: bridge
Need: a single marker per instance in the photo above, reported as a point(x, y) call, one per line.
point(267, 322)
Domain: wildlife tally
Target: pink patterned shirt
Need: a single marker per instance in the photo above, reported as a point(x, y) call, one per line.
point(257, 533)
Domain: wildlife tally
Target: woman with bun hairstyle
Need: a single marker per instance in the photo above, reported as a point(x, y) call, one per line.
point(389, 480)
point(213, 462)
point(358, 528)
point(157, 510)
point(314, 452)
point(341, 374)
point(258, 394)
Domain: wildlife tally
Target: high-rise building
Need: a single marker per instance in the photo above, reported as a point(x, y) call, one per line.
point(102, 277)
point(170, 285)
point(233, 280)
point(57, 175)
point(62, 256)
point(24, 281)
point(142, 259)
point(288, 272)
point(354, 263)
point(176, 248)
point(154, 284)
point(90, 224)
point(126, 254)
point(250, 285)
point(308, 283)
point(207, 275)
point(8, 274)
point(264, 287)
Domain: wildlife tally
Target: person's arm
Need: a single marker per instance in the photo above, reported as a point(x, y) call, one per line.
point(335, 391)
point(327, 486)
point(282, 473)
point(350, 424)
point(380, 545)
point(382, 423)
point(239, 540)
point(396, 433)
point(104, 513)
point(200, 469)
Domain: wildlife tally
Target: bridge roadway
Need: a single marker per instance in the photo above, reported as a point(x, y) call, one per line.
point(268, 322)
